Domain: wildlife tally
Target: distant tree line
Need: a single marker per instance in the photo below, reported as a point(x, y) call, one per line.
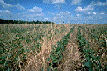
point(24, 22)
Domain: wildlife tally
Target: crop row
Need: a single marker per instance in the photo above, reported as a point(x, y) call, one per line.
point(98, 34)
point(57, 52)
point(91, 61)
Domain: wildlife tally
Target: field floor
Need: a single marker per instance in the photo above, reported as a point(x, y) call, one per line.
point(53, 47)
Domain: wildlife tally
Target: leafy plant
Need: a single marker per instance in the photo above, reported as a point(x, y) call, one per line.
point(89, 54)
point(57, 51)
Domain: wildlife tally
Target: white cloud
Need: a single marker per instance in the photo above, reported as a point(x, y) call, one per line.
point(64, 13)
point(75, 2)
point(89, 19)
point(78, 15)
point(102, 13)
point(18, 6)
point(53, 1)
point(89, 12)
point(80, 9)
point(94, 13)
point(6, 11)
point(6, 14)
point(98, 3)
point(5, 5)
point(31, 14)
point(80, 18)
point(62, 16)
point(28, 14)
point(46, 19)
point(35, 9)
point(58, 1)
point(90, 7)
point(101, 3)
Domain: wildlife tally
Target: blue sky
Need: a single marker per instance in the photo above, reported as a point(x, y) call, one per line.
point(58, 11)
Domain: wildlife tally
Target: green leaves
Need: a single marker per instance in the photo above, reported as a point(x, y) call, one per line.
point(88, 64)
point(89, 54)
point(28, 40)
point(57, 51)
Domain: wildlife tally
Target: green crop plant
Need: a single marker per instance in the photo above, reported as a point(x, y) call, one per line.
point(98, 34)
point(98, 37)
point(57, 52)
point(92, 62)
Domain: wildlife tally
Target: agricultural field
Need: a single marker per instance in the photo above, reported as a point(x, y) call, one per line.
point(53, 47)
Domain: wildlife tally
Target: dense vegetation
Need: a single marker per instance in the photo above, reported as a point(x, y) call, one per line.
point(24, 22)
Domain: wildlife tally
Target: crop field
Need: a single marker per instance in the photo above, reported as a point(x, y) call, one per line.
point(53, 47)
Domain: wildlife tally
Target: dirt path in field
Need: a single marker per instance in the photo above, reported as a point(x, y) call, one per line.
point(71, 60)
point(39, 62)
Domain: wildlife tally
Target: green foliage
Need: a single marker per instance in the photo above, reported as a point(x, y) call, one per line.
point(57, 51)
point(89, 54)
